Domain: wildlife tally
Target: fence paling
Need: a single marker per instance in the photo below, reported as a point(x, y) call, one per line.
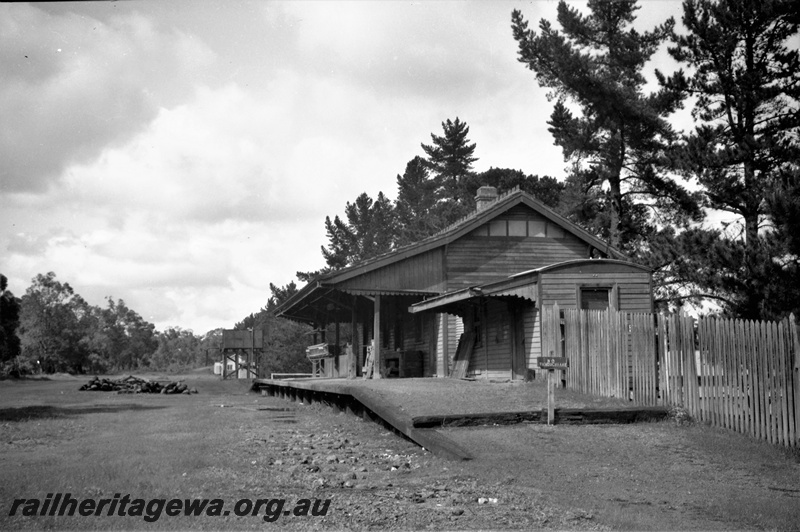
point(783, 384)
point(768, 380)
point(779, 385)
point(794, 381)
point(748, 379)
point(735, 379)
point(705, 347)
point(794, 366)
point(742, 378)
point(760, 373)
point(731, 377)
point(777, 381)
point(787, 384)
point(722, 370)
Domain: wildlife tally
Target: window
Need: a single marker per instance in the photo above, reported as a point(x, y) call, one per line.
point(520, 228)
point(497, 228)
point(594, 298)
point(517, 228)
point(536, 228)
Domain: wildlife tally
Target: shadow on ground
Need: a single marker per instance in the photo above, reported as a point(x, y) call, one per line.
point(27, 413)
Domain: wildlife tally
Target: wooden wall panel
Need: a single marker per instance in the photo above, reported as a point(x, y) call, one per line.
point(423, 272)
point(533, 336)
point(634, 288)
point(477, 260)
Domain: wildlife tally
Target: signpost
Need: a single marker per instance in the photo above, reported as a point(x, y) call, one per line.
point(551, 364)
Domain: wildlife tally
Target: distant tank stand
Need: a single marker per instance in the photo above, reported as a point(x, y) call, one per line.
point(241, 352)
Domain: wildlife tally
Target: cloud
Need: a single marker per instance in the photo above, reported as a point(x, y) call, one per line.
point(433, 50)
point(74, 84)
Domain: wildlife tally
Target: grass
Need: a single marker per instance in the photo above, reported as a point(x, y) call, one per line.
point(96, 444)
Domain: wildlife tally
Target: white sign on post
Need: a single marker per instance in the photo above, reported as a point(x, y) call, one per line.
point(551, 364)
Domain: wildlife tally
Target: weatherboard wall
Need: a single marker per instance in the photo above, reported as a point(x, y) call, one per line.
point(518, 240)
point(423, 272)
point(633, 285)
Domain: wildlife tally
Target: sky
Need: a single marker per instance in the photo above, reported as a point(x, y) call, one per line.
point(183, 155)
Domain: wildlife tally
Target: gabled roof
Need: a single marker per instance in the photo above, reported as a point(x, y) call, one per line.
point(446, 236)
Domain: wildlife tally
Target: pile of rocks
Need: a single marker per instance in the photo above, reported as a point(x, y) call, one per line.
point(133, 384)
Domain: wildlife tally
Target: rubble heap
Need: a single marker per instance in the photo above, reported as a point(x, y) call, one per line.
point(131, 384)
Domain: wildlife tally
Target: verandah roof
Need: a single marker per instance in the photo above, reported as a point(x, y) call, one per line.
point(321, 303)
point(524, 287)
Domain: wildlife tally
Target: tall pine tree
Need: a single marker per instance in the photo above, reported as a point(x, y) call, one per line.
point(746, 83)
point(617, 141)
point(450, 158)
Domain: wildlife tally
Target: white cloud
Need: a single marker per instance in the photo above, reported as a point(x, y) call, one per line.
point(73, 84)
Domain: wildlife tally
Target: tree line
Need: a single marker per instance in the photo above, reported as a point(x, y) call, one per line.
point(53, 329)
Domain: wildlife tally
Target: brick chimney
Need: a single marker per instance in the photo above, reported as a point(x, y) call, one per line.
point(485, 197)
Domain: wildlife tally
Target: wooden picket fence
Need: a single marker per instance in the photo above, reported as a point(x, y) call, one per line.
point(737, 374)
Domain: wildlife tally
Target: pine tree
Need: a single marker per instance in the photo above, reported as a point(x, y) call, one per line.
point(415, 207)
point(450, 158)
point(368, 232)
point(746, 83)
point(618, 141)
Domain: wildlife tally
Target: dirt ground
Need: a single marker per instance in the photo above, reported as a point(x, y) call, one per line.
point(228, 442)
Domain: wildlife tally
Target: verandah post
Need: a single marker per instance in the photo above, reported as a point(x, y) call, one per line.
point(376, 339)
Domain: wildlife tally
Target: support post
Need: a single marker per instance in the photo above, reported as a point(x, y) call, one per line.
point(376, 339)
point(337, 353)
point(351, 370)
point(252, 355)
point(444, 356)
point(485, 333)
point(551, 396)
